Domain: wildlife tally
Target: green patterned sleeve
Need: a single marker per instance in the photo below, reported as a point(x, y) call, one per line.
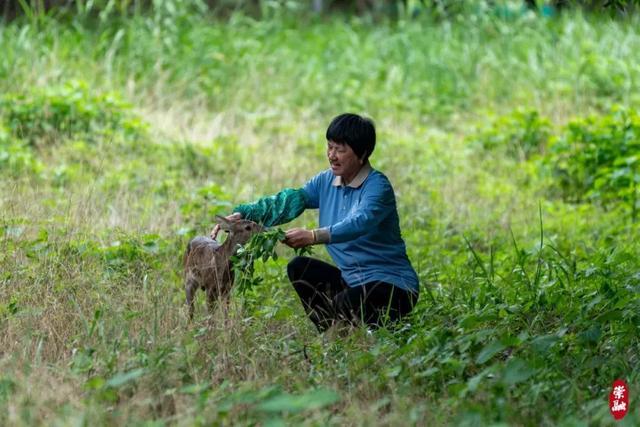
point(273, 210)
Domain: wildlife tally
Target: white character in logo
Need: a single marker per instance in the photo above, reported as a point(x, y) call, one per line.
point(618, 391)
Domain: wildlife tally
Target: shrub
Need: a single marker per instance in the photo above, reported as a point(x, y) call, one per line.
point(16, 157)
point(204, 204)
point(597, 159)
point(68, 110)
point(520, 134)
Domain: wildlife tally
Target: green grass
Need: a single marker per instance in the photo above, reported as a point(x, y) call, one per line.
point(119, 140)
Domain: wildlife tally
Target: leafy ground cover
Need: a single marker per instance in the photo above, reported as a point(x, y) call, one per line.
point(512, 144)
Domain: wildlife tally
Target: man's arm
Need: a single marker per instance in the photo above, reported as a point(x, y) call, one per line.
point(277, 209)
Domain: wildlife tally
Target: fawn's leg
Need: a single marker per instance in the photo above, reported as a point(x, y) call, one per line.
point(190, 288)
point(225, 300)
point(212, 297)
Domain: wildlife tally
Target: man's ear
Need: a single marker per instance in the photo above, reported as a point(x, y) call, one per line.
point(363, 158)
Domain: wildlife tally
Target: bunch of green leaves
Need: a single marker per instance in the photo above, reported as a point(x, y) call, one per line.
point(262, 246)
point(598, 159)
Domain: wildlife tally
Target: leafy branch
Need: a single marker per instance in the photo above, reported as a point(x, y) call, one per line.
point(261, 246)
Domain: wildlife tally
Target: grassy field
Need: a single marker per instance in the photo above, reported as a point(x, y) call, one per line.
point(512, 145)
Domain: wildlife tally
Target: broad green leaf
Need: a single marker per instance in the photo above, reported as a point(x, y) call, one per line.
point(592, 335)
point(516, 371)
point(609, 315)
point(474, 382)
point(489, 351)
point(95, 383)
point(543, 343)
point(291, 403)
point(124, 377)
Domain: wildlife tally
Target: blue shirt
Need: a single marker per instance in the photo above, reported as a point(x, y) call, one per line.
point(362, 221)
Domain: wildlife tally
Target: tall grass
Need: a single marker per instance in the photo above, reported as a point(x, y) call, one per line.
point(529, 306)
point(400, 69)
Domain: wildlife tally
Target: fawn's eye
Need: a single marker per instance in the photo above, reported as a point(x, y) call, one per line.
point(247, 227)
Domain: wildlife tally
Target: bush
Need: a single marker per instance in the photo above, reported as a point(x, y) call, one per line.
point(16, 157)
point(204, 204)
point(597, 159)
point(520, 134)
point(45, 115)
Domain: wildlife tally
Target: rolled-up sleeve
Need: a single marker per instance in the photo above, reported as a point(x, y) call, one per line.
point(377, 202)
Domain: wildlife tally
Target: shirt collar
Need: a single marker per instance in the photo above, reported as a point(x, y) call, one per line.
point(356, 182)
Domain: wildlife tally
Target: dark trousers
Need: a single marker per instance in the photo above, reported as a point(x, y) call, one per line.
point(327, 298)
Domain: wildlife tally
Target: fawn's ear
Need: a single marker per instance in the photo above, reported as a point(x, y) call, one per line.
point(225, 224)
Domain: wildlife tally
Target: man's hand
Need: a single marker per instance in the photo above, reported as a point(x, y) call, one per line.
point(216, 229)
point(298, 238)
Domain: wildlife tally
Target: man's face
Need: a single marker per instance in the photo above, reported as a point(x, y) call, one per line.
point(344, 162)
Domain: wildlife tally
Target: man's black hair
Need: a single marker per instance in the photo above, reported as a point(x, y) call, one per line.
point(357, 132)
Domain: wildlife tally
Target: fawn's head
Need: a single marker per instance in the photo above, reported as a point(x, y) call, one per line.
point(241, 230)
